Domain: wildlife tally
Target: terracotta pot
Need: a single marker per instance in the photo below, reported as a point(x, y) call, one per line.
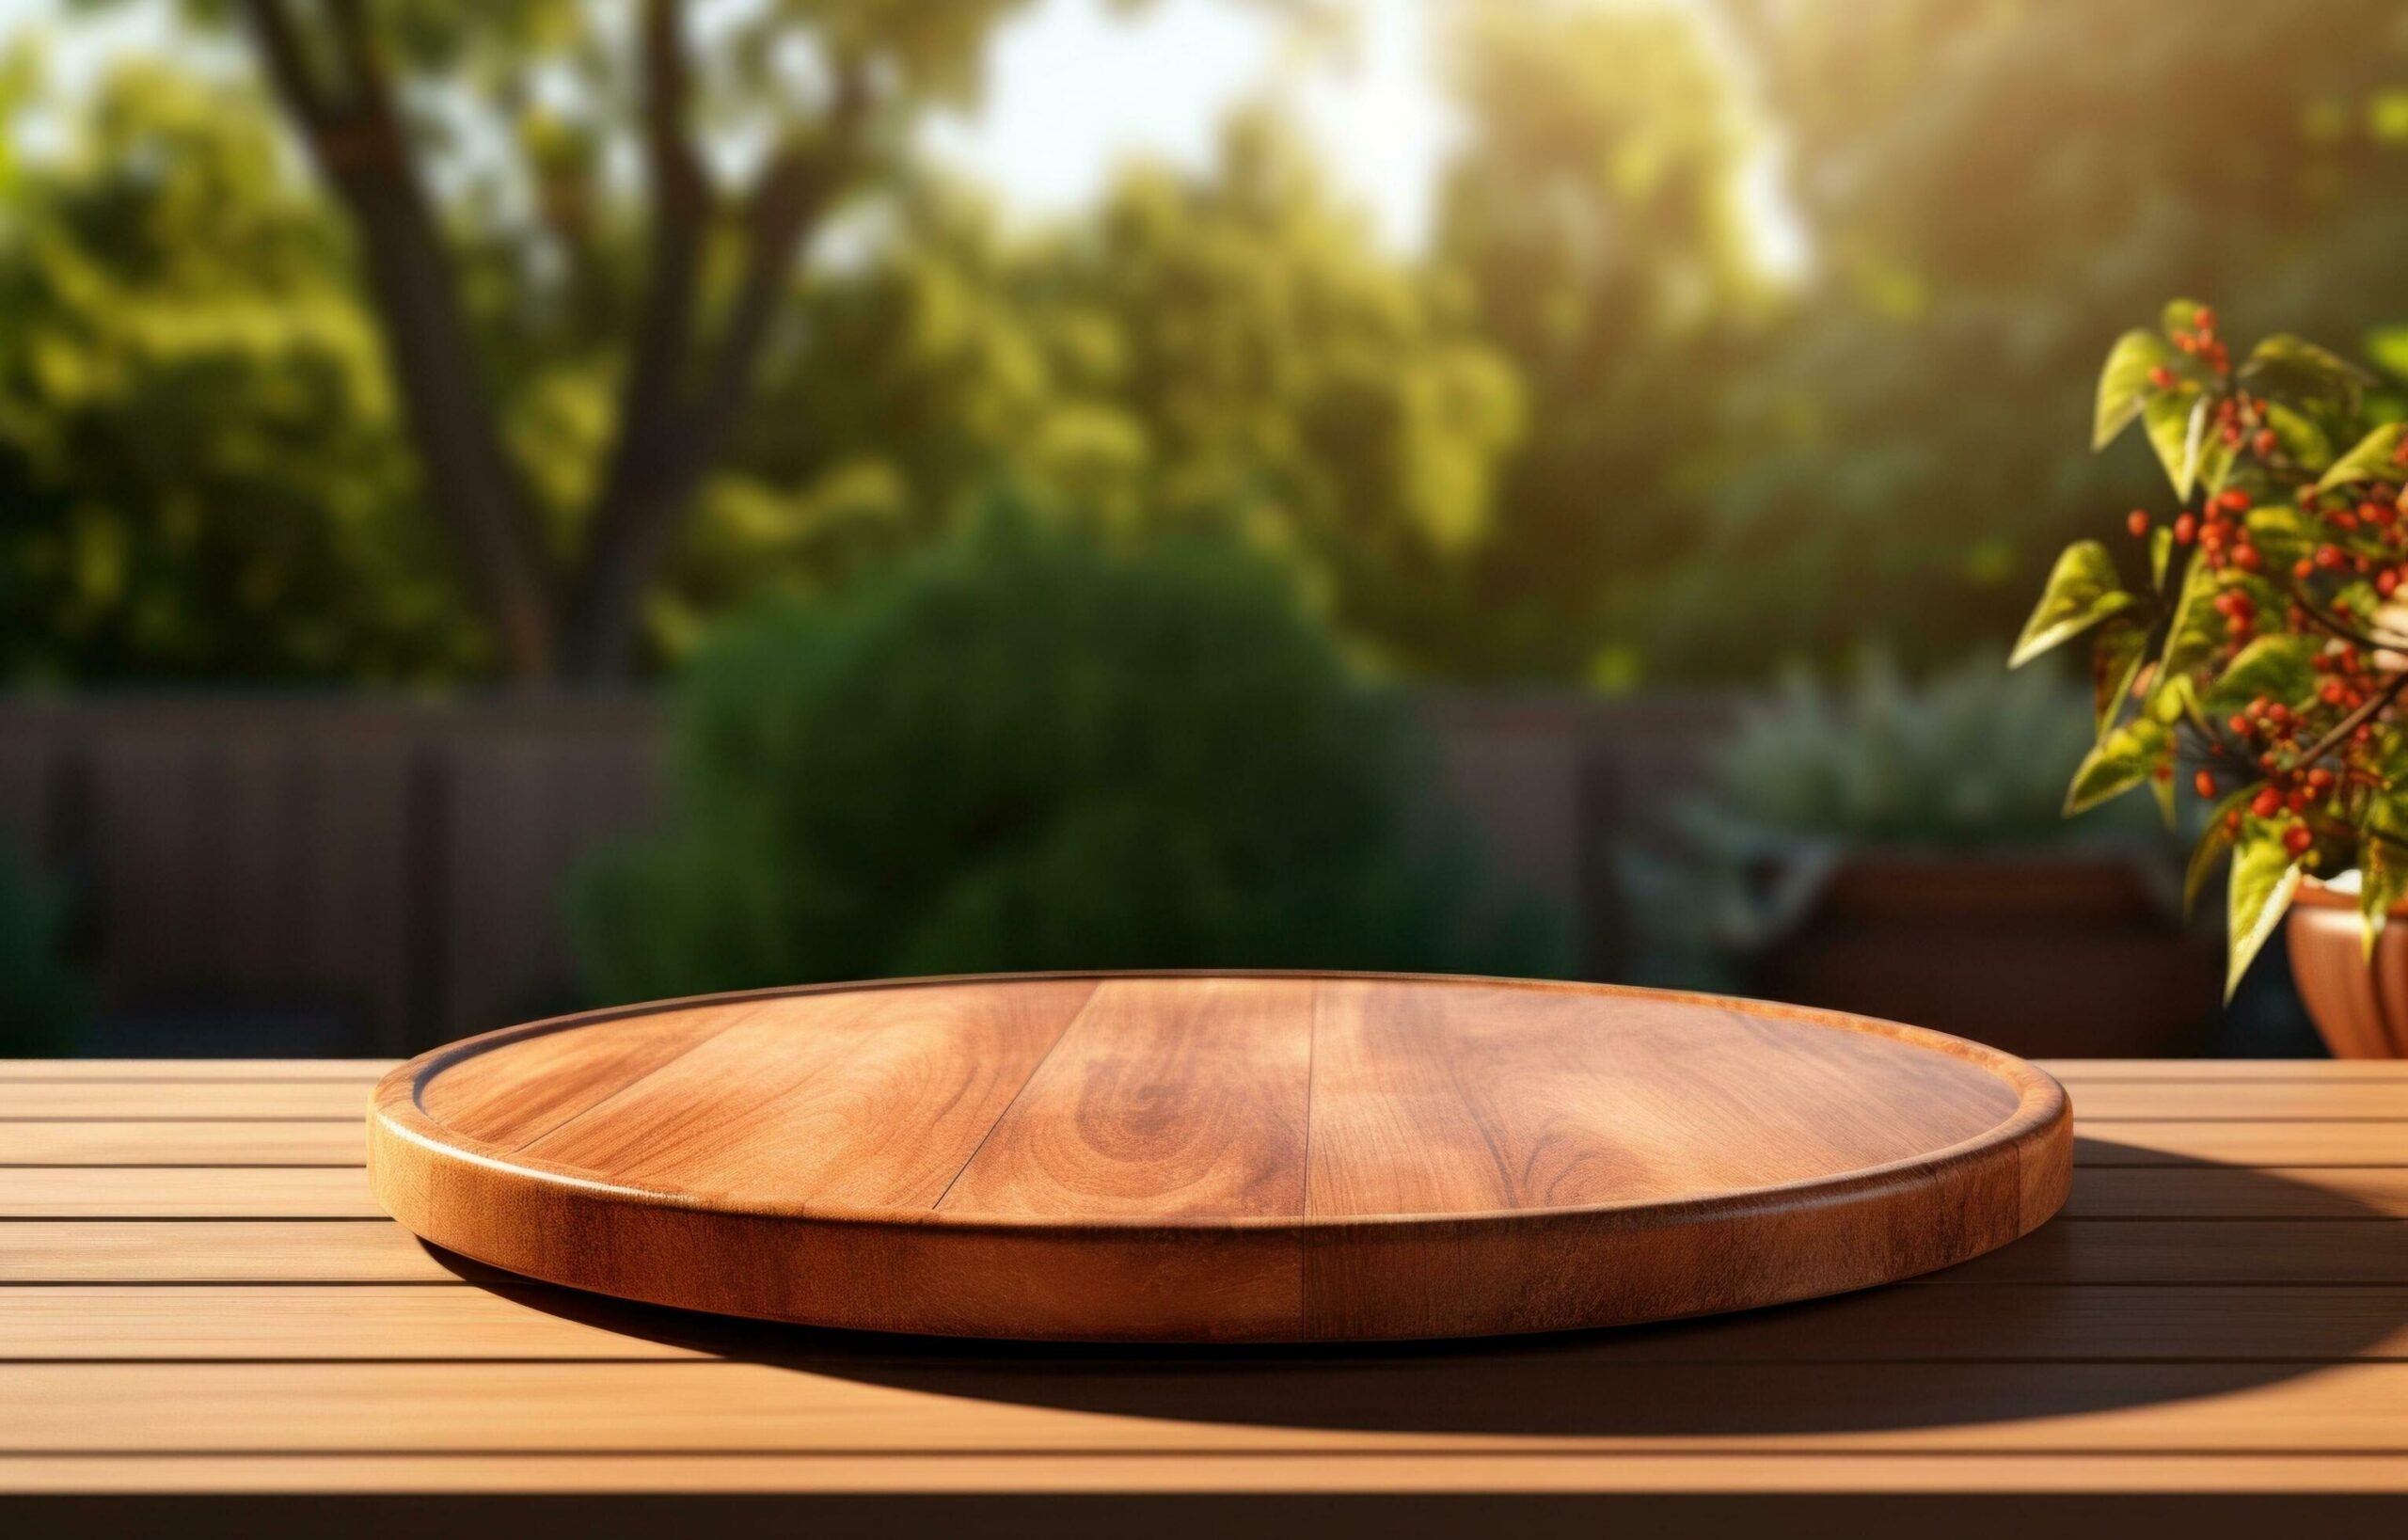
point(2360, 1010)
point(2060, 955)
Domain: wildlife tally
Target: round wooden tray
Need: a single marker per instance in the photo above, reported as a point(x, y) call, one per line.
point(1223, 1157)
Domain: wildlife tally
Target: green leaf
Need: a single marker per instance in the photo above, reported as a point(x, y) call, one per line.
point(2264, 877)
point(2161, 552)
point(2195, 631)
point(2123, 384)
point(2281, 535)
point(2179, 315)
point(2116, 657)
point(2299, 370)
point(2369, 460)
point(2122, 760)
point(2216, 458)
point(2213, 844)
point(2382, 867)
point(2177, 422)
point(2082, 591)
point(2299, 437)
point(2278, 667)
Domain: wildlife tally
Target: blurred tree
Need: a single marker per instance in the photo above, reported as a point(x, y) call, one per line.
point(1037, 746)
point(529, 110)
point(198, 456)
point(1994, 190)
point(1595, 214)
point(1229, 350)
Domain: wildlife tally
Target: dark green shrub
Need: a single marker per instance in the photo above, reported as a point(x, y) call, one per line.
point(41, 1002)
point(1030, 750)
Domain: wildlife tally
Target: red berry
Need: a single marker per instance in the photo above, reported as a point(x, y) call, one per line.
point(2267, 803)
point(2265, 443)
point(2247, 559)
point(2320, 778)
point(2204, 318)
point(2205, 784)
point(2296, 839)
point(2162, 377)
point(2186, 529)
point(2137, 522)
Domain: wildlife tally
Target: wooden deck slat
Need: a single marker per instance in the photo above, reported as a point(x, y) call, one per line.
point(135, 1072)
point(1941, 1321)
point(186, 1192)
point(2205, 1101)
point(104, 1143)
point(2104, 1141)
point(336, 1101)
point(212, 1251)
point(2161, 1071)
point(1437, 1405)
point(2234, 1192)
point(1490, 1475)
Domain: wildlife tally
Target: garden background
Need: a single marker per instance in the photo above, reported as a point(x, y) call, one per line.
point(514, 505)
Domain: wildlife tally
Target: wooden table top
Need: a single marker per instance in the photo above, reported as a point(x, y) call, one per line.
point(1218, 1157)
point(200, 1294)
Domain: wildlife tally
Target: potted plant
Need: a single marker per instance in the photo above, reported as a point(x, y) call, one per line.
point(2253, 648)
point(1895, 849)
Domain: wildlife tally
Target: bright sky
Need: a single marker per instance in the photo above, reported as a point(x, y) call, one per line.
point(1158, 82)
point(1076, 87)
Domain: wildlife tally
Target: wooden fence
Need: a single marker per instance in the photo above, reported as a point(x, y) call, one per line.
point(335, 874)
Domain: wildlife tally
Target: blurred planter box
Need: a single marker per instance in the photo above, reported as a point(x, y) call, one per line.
point(2054, 956)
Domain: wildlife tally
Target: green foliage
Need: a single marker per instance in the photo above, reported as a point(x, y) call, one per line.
point(2277, 669)
point(41, 1002)
point(1227, 351)
point(199, 461)
point(1964, 764)
point(1033, 749)
point(1596, 219)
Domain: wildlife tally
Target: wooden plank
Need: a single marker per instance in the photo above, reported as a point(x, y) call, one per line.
point(1939, 1321)
point(333, 1101)
point(2080, 1071)
point(213, 1251)
point(1438, 1405)
point(2238, 1192)
point(183, 1144)
point(1494, 1478)
point(2201, 1251)
point(186, 1192)
point(120, 1071)
point(316, 1321)
point(2278, 1100)
point(2106, 1141)
point(1231, 1053)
